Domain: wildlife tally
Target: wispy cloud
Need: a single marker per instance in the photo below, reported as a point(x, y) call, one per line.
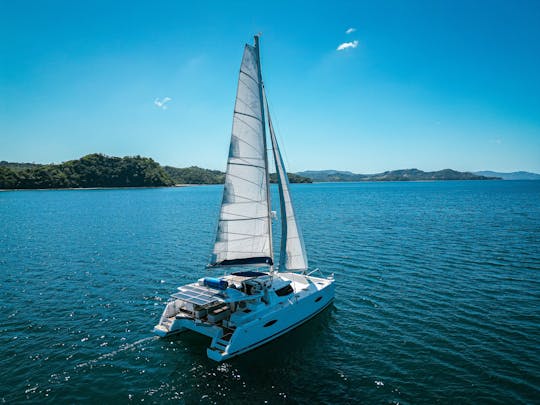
point(350, 30)
point(346, 45)
point(162, 103)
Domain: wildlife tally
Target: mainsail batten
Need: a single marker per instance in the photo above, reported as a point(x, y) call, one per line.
point(244, 228)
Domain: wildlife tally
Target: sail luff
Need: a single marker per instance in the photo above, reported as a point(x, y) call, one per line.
point(243, 233)
point(293, 254)
point(261, 98)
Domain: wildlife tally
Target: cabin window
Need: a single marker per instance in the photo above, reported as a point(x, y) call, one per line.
point(318, 299)
point(270, 323)
point(283, 291)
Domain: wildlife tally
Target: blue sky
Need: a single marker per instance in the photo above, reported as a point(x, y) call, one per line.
point(429, 84)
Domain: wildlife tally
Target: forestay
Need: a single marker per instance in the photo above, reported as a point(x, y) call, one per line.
point(244, 233)
point(292, 253)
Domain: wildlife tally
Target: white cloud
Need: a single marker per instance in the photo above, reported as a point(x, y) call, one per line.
point(162, 103)
point(350, 30)
point(346, 45)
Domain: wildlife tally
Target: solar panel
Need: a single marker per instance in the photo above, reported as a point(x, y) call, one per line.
point(198, 295)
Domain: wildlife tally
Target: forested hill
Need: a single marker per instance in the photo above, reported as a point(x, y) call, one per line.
point(95, 170)
point(98, 170)
point(293, 178)
point(197, 175)
point(194, 175)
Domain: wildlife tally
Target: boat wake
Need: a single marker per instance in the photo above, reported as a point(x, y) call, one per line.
point(123, 348)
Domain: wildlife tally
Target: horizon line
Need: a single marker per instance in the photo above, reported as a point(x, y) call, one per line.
point(297, 171)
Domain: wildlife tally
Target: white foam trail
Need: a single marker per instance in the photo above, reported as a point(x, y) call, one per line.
point(115, 352)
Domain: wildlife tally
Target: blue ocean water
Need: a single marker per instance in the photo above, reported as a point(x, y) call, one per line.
point(437, 299)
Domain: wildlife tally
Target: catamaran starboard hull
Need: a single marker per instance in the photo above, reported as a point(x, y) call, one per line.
point(256, 334)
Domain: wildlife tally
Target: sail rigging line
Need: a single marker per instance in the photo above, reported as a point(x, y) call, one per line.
point(278, 132)
point(292, 250)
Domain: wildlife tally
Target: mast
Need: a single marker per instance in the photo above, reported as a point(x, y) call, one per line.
point(257, 52)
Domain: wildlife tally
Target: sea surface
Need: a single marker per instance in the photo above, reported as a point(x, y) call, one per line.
point(437, 297)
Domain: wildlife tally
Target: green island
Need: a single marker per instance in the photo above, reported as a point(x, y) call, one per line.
point(95, 170)
point(98, 170)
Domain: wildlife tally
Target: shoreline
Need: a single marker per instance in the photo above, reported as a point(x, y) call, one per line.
point(220, 184)
point(98, 188)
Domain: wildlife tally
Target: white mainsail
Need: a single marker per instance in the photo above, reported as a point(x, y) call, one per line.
point(293, 252)
point(244, 228)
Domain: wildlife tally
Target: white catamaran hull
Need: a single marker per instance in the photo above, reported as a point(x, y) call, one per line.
point(257, 322)
point(263, 330)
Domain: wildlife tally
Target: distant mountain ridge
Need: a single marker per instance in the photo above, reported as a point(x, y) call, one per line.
point(510, 176)
point(393, 175)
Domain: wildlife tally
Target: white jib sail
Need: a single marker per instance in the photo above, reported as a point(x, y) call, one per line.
point(244, 234)
point(292, 254)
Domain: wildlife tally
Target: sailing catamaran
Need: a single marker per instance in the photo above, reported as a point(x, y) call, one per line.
point(245, 309)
